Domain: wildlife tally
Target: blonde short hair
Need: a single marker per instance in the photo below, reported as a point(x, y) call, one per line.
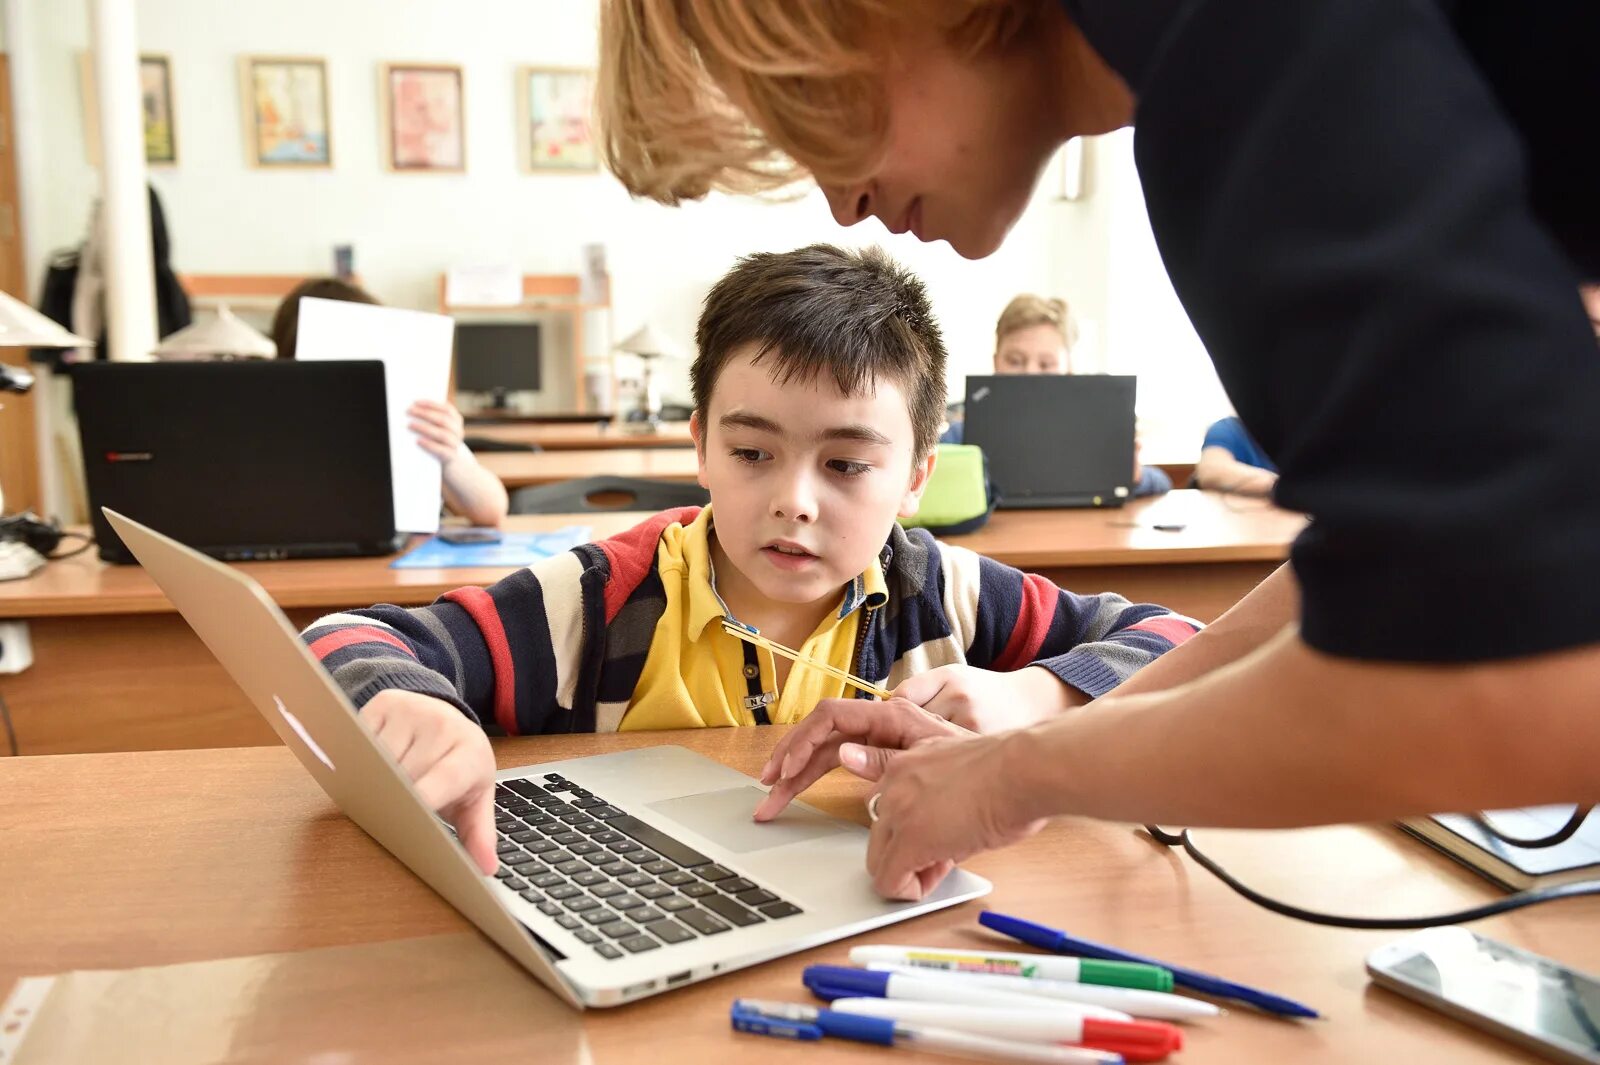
point(695, 95)
point(1026, 311)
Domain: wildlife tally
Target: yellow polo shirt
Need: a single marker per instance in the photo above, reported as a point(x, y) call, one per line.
point(694, 673)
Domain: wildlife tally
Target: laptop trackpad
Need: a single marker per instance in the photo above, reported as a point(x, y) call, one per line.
point(725, 817)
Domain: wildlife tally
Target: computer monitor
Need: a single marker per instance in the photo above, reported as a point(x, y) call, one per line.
point(498, 358)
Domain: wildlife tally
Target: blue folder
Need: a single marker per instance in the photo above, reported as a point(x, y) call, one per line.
point(514, 549)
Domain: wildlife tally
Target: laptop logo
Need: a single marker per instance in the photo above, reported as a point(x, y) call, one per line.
point(130, 456)
point(305, 737)
point(980, 394)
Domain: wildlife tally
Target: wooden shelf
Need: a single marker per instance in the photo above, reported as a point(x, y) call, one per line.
point(554, 294)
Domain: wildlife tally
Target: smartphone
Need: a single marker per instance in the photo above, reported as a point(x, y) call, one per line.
point(475, 534)
point(1528, 999)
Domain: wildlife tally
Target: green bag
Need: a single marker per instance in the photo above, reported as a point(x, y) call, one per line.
point(959, 497)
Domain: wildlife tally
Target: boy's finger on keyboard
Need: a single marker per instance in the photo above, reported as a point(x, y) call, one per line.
point(448, 780)
point(427, 746)
point(474, 823)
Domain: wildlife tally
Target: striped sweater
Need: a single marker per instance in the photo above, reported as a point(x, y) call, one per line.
point(561, 646)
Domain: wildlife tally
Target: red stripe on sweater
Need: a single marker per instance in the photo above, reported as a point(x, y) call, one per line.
point(323, 646)
point(1173, 630)
point(632, 553)
point(481, 609)
point(1037, 610)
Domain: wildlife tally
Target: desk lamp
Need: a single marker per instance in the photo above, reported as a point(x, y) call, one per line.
point(222, 335)
point(23, 327)
point(648, 345)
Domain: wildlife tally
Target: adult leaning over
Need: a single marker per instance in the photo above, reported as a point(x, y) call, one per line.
point(1377, 214)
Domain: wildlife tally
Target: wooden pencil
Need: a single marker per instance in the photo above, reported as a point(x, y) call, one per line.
point(750, 635)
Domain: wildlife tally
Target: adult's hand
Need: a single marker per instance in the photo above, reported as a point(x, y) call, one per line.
point(941, 803)
point(870, 733)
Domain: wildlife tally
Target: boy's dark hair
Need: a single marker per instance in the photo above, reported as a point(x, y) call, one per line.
point(286, 319)
point(859, 316)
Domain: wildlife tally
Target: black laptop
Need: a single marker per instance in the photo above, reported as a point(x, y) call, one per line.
point(1054, 440)
point(241, 460)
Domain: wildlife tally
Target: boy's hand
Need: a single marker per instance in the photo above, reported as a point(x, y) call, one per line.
point(858, 733)
point(448, 760)
point(985, 701)
point(439, 428)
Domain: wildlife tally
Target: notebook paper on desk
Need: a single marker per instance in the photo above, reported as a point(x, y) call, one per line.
point(455, 991)
point(1517, 868)
point(514, 549)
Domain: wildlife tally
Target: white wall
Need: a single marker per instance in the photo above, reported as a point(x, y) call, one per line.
point(227, 217)
point(1146, 330)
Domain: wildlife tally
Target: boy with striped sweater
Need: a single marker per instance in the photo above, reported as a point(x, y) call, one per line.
point(818, 389)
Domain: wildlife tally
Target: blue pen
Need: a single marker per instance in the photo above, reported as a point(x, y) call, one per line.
point(793, 1020)
point(1037, 935)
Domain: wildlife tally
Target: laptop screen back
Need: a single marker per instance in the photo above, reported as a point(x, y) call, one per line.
point(240, 459)
point(1054, 441)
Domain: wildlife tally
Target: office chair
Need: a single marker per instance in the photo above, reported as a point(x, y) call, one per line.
point(489, 443)
point(607, 493)
point(670, 412)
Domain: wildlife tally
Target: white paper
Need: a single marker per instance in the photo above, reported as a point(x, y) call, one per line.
point(414, 347)
point(483, 285)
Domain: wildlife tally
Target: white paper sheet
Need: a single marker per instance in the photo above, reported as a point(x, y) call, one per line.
point(483, 285)
point(414, 347)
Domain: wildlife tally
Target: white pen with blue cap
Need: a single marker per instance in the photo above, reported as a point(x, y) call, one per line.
point(837, 981)
point(793, 1020)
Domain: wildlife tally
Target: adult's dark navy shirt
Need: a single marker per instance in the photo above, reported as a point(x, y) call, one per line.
point(1377, 214)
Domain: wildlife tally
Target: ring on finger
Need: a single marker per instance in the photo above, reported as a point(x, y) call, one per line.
point(872, 806)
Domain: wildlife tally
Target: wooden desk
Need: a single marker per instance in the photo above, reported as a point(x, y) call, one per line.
point(573, 451)
point(585, 436)
point(158, 858)
point(519, 469)
point(116, 669)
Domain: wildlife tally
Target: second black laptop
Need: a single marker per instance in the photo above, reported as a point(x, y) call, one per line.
point(242, 460)
point(1055, 441)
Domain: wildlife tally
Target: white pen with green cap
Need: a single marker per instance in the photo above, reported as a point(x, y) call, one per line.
point(1007, 963)
point(1156, 1005)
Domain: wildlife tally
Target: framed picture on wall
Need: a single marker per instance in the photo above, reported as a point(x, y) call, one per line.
point(424, 117)
point(155, 102)
point(556, 107)
point(155, 98)
point(286, 111)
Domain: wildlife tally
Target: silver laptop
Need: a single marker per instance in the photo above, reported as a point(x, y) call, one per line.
point(622, 875)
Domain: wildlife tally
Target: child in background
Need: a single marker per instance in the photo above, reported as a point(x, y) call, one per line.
point(1231, 461)
point(469, 489)
point(1036, 336)
point(818, 386)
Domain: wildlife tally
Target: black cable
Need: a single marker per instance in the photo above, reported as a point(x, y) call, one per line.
point(1560, 835)
point(1476, 913)
point(88, 542)
point(11, 733)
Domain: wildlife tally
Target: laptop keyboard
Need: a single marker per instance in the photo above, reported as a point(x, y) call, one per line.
point(613, 881)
